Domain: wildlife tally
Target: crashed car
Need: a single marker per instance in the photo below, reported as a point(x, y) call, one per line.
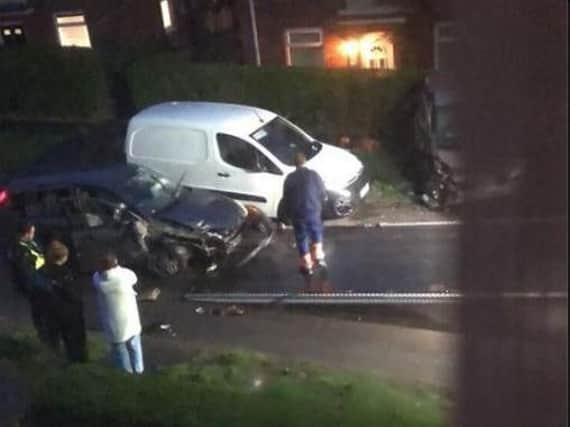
point(438, 169)
point(139, 214)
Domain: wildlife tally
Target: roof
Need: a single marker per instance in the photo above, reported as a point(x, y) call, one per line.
point(204, 115)
point(106, 177)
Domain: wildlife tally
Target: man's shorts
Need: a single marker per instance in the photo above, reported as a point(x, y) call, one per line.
point(307, 231)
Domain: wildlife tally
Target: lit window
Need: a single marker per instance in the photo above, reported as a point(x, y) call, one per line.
point(72, 30)
point(12, 35)
point(371, 50)
point(304, 47)
point(377, 51)
point(165, 13)
point(444, 39)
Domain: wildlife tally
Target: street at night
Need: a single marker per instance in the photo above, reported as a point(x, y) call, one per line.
point(283, 213)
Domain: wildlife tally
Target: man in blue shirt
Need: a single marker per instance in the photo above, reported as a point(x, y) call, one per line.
point(303, 197)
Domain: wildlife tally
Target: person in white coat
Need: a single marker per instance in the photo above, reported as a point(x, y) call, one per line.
point(119, 313)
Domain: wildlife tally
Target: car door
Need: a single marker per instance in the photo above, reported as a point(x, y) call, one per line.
point(244, 173)
point(94, 230)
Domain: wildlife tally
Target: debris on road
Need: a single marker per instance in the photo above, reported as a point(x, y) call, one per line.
point(159, 327)
point(211, 268)
point(149, 294)
point(438, 287)
point(216, 311)
point(233, 310)
point(370, 225)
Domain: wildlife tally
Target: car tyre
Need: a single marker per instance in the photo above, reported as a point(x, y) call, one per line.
point(165, 264)
point(341, 207)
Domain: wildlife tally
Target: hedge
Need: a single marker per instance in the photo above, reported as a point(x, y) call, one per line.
point(71, 85)
point(53, 84)
point(328, 103)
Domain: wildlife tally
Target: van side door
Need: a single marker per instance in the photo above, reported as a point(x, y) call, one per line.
point(246, 174)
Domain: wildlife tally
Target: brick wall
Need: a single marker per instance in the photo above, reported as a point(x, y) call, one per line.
point(274, 17)
point(119, 22)
point(413, 40)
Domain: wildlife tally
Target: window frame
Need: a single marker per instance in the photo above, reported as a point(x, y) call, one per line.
point(438, 39)
point(167, 28)
point(12, 26)
point(289, 45)
point(260, 157)
point(71, 14)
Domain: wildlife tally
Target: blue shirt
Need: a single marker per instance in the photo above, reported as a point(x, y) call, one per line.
point(303, 194)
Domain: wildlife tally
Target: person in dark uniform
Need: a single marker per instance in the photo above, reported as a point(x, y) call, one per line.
point(67, 323)
point(27, 258)
point(304, 194)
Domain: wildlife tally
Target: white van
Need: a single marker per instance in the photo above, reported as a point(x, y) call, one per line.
point(240, 151)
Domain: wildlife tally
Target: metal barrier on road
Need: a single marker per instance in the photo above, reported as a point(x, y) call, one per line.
point(362, 298)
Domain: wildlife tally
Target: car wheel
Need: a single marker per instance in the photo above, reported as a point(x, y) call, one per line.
point(435, 197)
point(164, 264)
point(342, 207)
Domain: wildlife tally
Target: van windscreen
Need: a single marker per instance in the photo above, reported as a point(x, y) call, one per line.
point(284, 140)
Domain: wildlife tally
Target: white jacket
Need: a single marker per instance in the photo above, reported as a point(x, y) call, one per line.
point(117, 303)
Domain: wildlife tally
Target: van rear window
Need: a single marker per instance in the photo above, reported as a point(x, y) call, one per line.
point(170, 144)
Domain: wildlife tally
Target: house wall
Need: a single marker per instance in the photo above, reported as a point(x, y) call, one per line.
point(413, 40)
point(38, 26)
point(127, 21)
point(274, 17)
point(108, 21)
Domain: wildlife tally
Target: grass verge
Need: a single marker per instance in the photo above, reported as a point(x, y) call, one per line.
point(231, 389)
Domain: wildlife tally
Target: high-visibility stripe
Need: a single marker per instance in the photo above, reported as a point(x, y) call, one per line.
point(39, 259)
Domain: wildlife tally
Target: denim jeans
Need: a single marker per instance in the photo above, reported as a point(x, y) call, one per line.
point(307, 231)
point(128, 355)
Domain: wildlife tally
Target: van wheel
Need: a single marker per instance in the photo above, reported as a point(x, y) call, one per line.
point(342, 207)
point(164, 264)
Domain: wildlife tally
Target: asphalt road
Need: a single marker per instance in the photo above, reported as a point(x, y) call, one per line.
point(395, 259)
point(360, 259)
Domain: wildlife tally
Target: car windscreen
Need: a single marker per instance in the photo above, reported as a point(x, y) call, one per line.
point(284, 140)
point(446, 129)
point(146, 191)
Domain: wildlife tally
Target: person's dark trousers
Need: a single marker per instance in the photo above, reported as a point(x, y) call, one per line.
point(72, 327)
point(43, 319)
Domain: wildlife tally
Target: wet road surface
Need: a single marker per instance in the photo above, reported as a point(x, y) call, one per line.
point(360, 259)
point(406, 259)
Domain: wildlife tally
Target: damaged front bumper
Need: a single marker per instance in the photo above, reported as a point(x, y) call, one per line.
point(254, 235)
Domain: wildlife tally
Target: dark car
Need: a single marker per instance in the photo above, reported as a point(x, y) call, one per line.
point(140, 215)
point(435, 161)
